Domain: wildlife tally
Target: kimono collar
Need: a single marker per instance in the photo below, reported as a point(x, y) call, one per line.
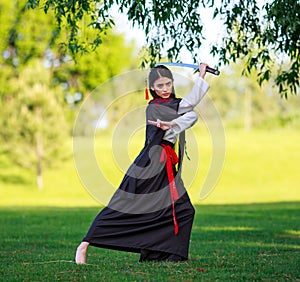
point(159, 101)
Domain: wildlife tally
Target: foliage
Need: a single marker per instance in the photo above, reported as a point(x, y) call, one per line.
point(266, 36)
point(259, 33)
point(72, 13)
point(32, 119)
point(93, 68)
point(37, 76)
point(29, 34)
point(25, 35)
point(33, 126)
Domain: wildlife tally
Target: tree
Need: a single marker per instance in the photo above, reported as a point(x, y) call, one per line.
point(266, 36)
point(260, 34)
point(96, 67)
point(27, 35)
point(34, 128)
point(36, 76)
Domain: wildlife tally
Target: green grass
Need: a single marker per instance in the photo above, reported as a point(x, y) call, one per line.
point(229, 242)
point(260, 166)
point(246, 229)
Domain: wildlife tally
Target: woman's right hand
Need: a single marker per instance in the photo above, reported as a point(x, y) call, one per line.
point(164, 125)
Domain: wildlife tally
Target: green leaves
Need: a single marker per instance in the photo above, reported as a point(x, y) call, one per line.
point(267, 35)
point(40, 84)
point(169, 26)
point(75, 17)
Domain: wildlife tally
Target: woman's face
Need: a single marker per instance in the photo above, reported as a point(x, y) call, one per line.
point(163, 87)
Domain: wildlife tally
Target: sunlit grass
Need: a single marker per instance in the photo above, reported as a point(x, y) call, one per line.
point(234, 239)
point(231, 228)
point(260, 166)
point(251, 242)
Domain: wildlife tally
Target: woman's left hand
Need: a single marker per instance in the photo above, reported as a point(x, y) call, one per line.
point(202, 69)
point(164, 125)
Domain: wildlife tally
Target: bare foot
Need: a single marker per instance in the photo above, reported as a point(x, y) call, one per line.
point(80, 257)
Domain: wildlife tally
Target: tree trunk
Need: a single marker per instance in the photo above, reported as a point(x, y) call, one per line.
point(39, 150)
point(248, 110)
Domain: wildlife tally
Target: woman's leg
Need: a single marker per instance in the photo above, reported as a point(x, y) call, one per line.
point(80, 257)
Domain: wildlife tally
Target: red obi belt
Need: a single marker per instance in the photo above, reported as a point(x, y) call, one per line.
point(168, 154)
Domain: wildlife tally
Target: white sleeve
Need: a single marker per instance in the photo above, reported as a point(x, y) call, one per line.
point(182, 123)
point(188, 103)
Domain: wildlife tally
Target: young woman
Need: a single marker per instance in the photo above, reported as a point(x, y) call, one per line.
point(151, 212)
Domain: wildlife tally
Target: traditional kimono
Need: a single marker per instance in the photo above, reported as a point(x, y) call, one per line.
point(151, 213)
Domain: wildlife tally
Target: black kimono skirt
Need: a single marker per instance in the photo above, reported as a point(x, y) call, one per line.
point(143, 215)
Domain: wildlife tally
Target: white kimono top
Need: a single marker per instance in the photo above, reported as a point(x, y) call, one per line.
point(186, 107)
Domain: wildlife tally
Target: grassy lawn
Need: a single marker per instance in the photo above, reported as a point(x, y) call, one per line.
point(248, 228)
point(260, 166)
point(241, 242)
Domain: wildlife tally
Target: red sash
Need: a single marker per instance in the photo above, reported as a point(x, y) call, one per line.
point(169, 155)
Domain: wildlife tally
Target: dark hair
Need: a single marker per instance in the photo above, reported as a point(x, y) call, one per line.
point(157, 72)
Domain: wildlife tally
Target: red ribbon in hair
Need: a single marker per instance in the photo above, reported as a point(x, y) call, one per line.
point(146, 90)
point(169, 155)
point(146, 93)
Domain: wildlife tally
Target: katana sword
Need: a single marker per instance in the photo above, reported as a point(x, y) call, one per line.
point(208, 69)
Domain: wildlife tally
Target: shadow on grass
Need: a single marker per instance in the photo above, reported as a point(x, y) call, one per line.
point(244, 242)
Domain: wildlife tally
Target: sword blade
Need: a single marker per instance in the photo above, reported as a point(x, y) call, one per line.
point(208, 69)
point(178, 65)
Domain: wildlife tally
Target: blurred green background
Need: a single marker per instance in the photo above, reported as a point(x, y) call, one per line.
point(42, 91)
